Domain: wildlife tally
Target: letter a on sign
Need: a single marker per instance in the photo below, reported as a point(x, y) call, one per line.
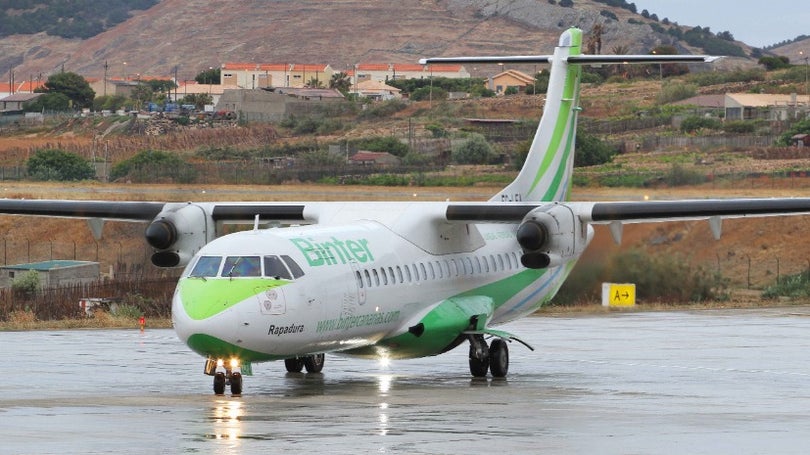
point(619, 295)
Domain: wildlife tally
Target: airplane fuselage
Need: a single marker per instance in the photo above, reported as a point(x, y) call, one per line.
point(361, 288)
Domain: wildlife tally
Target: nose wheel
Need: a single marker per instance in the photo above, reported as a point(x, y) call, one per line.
point(493, 358)
point(225, 376)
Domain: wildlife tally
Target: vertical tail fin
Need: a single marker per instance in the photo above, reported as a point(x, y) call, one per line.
point(546, 174)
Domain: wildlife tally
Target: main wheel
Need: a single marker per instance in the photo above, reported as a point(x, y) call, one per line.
point(479, 356)
point(236, 384)
point(314, 363)
point(294, 365)
point(219, 383)
point(498, 358)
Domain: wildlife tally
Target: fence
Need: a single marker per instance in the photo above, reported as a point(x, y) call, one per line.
point(153, 297)
point(660, 142)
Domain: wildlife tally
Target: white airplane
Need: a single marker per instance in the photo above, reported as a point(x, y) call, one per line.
point(391, 280)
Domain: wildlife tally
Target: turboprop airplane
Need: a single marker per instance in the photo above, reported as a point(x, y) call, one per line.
point(392, 280)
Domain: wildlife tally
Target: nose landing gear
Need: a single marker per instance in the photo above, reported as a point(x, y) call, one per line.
point(230, 375)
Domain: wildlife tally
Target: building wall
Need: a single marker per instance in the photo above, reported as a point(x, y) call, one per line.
point(77, 274)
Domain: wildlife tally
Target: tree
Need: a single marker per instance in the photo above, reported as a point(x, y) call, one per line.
point(58, 165)
point(590, 151)
point(209, 76)
point(314, 83)
point(774, 63)
point(73, 86)
point(341, 82)
point(475, 150)
point(199, 100)
point(48, 102)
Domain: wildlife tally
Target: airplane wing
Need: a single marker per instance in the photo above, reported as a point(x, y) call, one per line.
point(617, 213)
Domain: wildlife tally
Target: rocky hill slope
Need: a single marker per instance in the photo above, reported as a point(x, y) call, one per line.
point(193, 35)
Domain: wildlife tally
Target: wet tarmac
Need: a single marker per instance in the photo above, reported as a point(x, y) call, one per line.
point(703, 382)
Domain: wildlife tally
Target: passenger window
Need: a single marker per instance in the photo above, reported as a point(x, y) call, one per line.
point(240, 266)
point(500, 262)
point(432, 271)
point(517, 261)
point(468, 268)
point(399, 275)
point(477, 264)
point(384, 276)
point(508, 261)
point(376, 277)
point(359, 279)
point(407, 273)
point(206, 266)
point(453, 267)
point(391, 274)
point(274, 268)
point(296, 270)
point(485, 264)
point(439, 272)
point(368, 278)
point(415, 273)
point(423, 270)
point(494, 264)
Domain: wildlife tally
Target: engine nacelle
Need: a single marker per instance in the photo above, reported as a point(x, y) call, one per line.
point(178, 232)
point(549, 235)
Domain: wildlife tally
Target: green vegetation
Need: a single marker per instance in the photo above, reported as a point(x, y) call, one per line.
point(695, 123)
point(802, 127)
point(26, 284)
point(591, 151)
point(65, 18)
point(389, 144)
point(209, 76)
point(673, 91)
point(475, 150)
point(154, 166)
point(793, 286)
point(63, 91)
point(661, 278)
point(58, 165)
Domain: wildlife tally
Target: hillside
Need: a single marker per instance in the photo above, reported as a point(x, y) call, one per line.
point(193, 35)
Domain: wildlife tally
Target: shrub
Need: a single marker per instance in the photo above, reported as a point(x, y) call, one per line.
point(475, 150)
point(662, 278)
point(591, 151)
point(680, 176)
point(675, 91)
point(154, 165)
point(694, 123)
point(26, 284)
point(59, 165)
point(793, 286)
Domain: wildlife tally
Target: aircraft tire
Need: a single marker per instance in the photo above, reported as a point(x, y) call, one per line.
point(219, 384)
point(479, 356)
point(236, 384)
point(294, 365)
point(314, 363)
point(498, 358)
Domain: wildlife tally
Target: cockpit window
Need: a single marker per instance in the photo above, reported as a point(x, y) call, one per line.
point(206, 266)
point(294, 267)
point(273, 267)
point(237, 266)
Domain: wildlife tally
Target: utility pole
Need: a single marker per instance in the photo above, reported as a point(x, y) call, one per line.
point(106, 67)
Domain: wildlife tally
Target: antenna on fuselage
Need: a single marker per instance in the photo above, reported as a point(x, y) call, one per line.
point(256, 223)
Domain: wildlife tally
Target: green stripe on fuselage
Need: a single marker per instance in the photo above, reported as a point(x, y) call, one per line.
point(206, 297)
point(209, 346)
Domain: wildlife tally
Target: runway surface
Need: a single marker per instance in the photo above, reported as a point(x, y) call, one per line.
point(706, 382)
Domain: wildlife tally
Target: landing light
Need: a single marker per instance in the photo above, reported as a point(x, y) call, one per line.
point(220, 363)
point(234, 363)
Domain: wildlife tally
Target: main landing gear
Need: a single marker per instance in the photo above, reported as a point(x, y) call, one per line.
point(313, 363)
point(494, 357)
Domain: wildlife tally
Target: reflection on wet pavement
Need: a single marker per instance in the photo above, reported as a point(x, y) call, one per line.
point(702, 382)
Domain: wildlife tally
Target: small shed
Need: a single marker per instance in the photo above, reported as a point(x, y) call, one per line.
point(53, 273)
point(15, 102)
point(801, 140)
